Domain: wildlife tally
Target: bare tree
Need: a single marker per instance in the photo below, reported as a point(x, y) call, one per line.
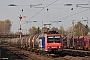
point(33, 30)
point(80, 29)
point(5, 26)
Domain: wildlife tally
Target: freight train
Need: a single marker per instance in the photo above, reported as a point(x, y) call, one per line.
point(80, 42)
point(51, 42)
point(48, 42)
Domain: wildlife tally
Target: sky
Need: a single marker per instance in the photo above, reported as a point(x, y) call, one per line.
point(44, 11)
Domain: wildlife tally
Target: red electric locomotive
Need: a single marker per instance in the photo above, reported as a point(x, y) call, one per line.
point(53, 42)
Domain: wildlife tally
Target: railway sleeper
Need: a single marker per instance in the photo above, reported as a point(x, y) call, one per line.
point(87, 54)
point(33, 50)
point(22, 56)
point(82, 54)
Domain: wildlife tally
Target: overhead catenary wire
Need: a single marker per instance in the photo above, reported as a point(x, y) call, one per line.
point(42, 9)
point(75, 14)
point(60, 19)
point(42, 1)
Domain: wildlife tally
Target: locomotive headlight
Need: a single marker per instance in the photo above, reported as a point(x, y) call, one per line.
point(59, 47)
point(49, 47)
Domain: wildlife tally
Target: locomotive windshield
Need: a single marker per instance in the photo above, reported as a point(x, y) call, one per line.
point(53, 39)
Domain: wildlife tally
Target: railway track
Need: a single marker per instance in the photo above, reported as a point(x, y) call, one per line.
point(23, 54)
point(77, 52)
point(28, 55)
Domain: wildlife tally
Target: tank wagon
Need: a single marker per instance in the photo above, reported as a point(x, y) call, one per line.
point(13, 41)
point(47, 42)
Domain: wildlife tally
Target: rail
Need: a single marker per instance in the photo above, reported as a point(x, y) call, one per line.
point(11, 36)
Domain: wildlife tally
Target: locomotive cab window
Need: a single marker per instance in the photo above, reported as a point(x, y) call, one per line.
point(53, 39)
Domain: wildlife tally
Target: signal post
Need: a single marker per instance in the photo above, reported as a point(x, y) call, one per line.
point(20, 17)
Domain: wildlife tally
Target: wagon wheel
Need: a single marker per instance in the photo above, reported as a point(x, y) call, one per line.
point(86, 48)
